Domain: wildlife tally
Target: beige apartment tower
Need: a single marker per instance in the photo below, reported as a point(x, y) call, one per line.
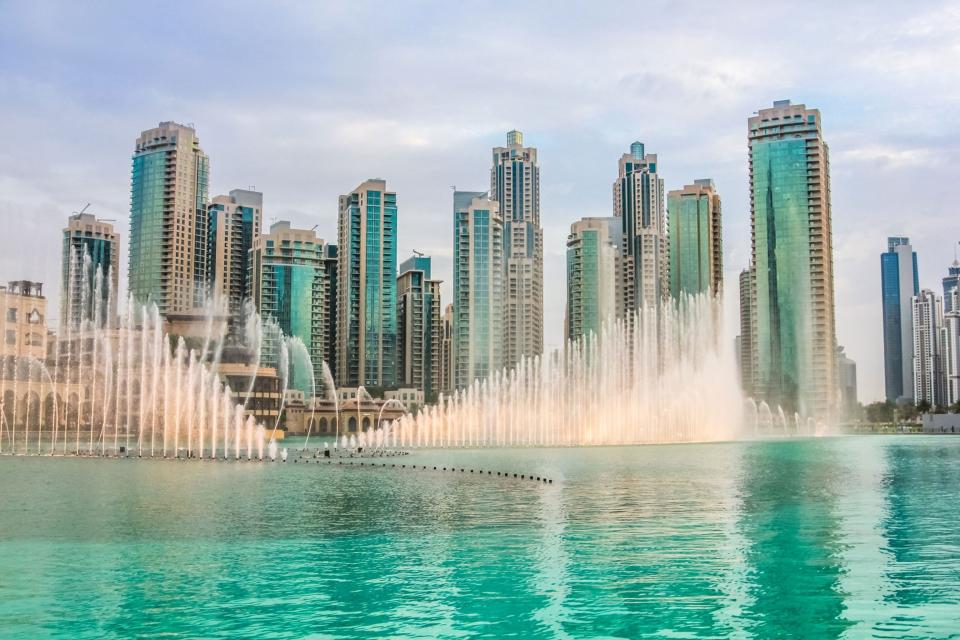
point(515, 186)
point(168, 219)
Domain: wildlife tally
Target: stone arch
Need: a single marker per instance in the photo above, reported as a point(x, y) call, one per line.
point(352, 424)
point(8, 402)
point(52, 407)
point(31, 410)
point(73, 402)
point(323, 425)
point(366, 422)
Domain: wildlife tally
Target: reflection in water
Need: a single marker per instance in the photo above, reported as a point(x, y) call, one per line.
point(790, 518)
point(845, 537)
point(922, 528)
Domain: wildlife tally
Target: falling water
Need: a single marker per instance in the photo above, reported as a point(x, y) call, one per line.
point(664, 377)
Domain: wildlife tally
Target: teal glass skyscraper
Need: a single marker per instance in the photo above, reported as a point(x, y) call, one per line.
point(478, 281)
point(234, 224)
point(795, 338)
point(592, 248)
point(367, 288)
point(291, 285)
point(900, 282)
point(695, 240)
point(168, 219)
point(89, 245)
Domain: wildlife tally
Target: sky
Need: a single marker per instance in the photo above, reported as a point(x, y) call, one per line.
point(304, 101)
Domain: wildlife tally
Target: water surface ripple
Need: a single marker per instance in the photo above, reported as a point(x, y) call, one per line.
point(817, 538)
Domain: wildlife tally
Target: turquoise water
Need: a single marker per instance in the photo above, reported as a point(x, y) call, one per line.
point(852, 537)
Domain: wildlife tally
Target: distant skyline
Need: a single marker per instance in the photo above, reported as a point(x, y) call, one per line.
point(291, 100)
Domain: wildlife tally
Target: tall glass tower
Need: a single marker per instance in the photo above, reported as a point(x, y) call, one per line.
point(234, 222)
point(515, 186)
point(478, 276)
point(168, 219)
point(950, 284)
point(899, 284)
point(638, 203)
point(793, 260)
point(367, 289)
point(419, 328)
point(696, 242)
point(89, 245)
point(291, 286)
point(592, 248)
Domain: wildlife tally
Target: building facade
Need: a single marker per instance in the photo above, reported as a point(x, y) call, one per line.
point(235, 221)
point(168, 219)
point(89, 246)
point(291, 287)
point(24, 321)
point(478, 287)
point(695, 252)
point(795, 338)
point(847, 381)
point(419, 327)
point(899, 284)
point(950, 284)
point(515, 186)
point(367, 287)
point(950, 350)
point(592, 248)
point(447, 365)
point(928, 380)
point(746, 351)
point(638, 203)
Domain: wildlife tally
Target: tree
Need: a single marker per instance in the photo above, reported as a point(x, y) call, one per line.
point(879, 412)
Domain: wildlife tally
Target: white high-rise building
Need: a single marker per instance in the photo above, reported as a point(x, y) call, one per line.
point(515, 186)
point(950, 350)
point(927, 372)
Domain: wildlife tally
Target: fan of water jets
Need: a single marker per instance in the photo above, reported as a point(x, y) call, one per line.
point(664, 376)
point(118, 384)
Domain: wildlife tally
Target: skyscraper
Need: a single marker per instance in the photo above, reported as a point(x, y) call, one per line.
point(638, 202)
point(89, 245)
point(747, 344)
point(478, 281)
point(899, 284)
point(592, 248)
point(847, 381)
point(950, 350)
point(168, 219)
point(696, 241)
point(367, 293)
point(235, 222)
point(950, 284)
point(515, 186)
point(447, 366)
point(795, 338)
point(290, 285)
point(928, 381)
point(419, 328)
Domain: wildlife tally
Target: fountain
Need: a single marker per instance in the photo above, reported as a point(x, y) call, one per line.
point(666, 376)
